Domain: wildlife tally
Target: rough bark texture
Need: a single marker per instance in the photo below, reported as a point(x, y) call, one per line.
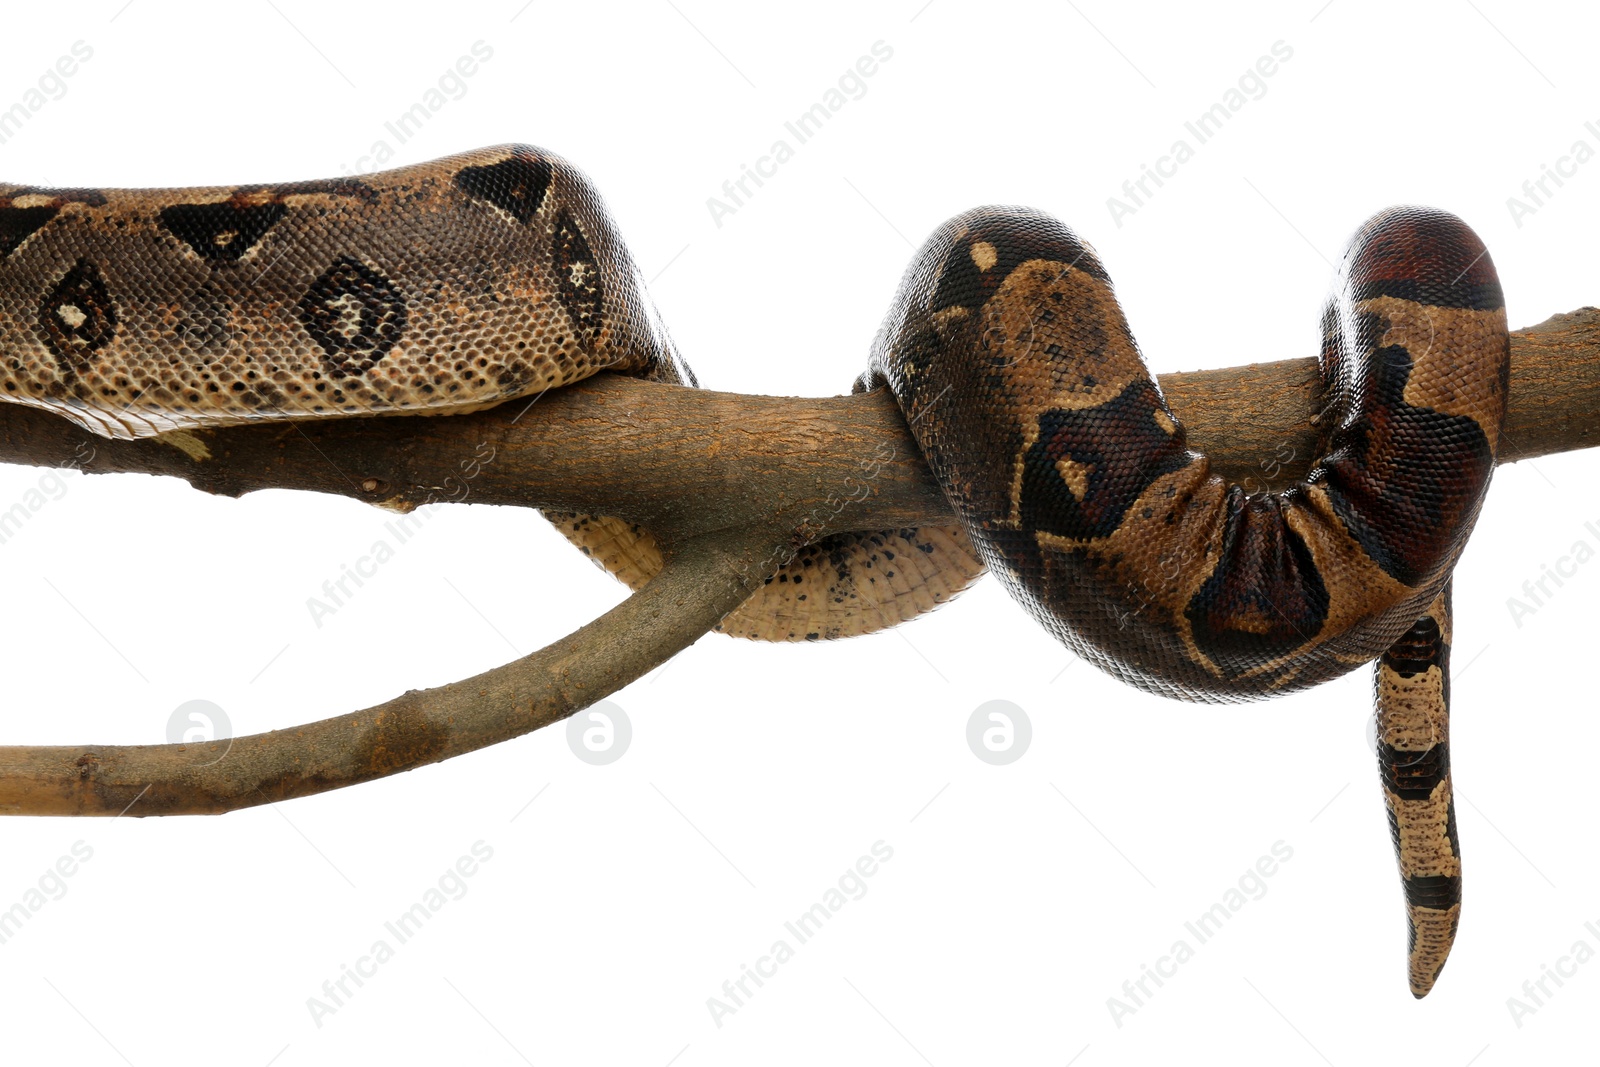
point(728, 482)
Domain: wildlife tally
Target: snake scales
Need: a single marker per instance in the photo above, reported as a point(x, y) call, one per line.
point(459, 284)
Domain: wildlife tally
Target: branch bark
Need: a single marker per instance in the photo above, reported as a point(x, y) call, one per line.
point(728, 483)
point(704, 579)
point(685, 461)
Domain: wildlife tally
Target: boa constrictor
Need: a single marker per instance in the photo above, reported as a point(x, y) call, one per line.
point(469, 281)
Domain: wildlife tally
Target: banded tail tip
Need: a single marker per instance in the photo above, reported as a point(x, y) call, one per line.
point(1433, 933)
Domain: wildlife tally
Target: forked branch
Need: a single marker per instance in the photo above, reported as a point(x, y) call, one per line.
point(728, 483)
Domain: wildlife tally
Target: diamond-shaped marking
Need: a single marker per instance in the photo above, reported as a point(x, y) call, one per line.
point(77, 318)
point(355, 314)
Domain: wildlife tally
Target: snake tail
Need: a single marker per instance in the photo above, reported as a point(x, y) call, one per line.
point(1412, 684)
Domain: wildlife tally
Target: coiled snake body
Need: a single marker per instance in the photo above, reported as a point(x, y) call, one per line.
point(463, 283)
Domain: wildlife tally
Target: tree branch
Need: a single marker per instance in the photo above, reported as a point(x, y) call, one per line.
point(685, 461)
point(728, 483)
point(702, 581)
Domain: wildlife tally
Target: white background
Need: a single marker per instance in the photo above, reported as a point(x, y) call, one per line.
point(1019, 898)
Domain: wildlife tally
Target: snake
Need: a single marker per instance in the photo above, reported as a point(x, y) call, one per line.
point(494, 275)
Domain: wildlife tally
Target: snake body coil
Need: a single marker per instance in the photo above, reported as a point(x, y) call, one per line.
point(470, 281)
